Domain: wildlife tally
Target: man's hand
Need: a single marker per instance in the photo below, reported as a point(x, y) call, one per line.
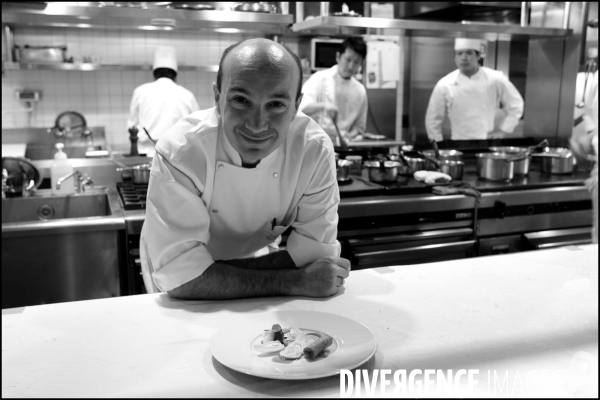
point(498, 135)
point(331, 109)
point(322, 278)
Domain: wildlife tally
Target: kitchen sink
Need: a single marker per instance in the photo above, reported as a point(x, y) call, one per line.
point(43, 206)
point(62, 248)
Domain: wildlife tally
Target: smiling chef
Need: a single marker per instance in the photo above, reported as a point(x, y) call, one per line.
point(227, 181)
point(471, 96)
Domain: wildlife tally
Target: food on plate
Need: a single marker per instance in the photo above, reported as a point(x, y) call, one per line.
point(318, 346)
point(295, 349)
point(292, 343)
point(278, 333)
point(269, 347)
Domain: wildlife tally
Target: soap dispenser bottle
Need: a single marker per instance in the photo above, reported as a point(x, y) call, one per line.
point(59, 168)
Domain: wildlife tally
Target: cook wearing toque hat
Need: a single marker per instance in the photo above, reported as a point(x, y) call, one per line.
point(471, 96)
point(158, 105)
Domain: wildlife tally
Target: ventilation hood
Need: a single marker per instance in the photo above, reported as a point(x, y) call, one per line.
point(467, 11)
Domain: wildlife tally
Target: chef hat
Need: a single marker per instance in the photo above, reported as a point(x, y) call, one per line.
point(165, 57)
point(473, 44)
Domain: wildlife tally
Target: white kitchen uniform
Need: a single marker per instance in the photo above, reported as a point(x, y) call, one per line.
point(471, 104)
point(590, 120)
point(203, 206)
point(157, 106)
point(349, 95)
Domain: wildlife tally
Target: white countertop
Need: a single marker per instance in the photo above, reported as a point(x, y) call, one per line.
point(527, 321)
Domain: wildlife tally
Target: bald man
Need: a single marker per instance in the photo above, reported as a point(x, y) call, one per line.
point(226, 182)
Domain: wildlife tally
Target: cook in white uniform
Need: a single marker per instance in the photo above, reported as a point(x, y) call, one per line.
point(158, 105)
point(335, 93)
point(584, 142)
point(229, 180)
point(471, 96)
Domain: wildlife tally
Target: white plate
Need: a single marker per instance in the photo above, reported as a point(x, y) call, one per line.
point(353, 345)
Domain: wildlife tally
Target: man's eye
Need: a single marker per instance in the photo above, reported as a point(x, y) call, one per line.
point(277, 105)
point(239, 100)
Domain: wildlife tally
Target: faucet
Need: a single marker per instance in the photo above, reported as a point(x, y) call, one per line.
point(64, 178)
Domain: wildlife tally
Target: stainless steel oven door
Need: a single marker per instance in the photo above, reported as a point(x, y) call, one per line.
point(558, 238)
point(409, 248)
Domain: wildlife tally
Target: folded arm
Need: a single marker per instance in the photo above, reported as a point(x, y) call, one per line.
point(222, 280)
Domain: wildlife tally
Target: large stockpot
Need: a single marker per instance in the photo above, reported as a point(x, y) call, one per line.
point(495, 166)
point(449, 155)
point(557, 160)
point(382, 171)
point(521, 166)
point(140, 173)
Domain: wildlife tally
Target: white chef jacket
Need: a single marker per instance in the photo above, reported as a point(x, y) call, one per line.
point(203, 206)
point(157, 106)
point(471, 104)
point(349, 95)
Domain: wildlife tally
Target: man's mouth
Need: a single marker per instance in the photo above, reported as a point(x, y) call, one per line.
point(253, 139)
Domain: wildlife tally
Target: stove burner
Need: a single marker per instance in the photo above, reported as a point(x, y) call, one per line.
point(133, 195)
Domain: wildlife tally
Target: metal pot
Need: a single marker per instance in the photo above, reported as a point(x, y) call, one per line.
point(558, 160)
point(495, 166)
point(521, 166)
point(453, 168)
point(382, 171)
point(404, 169)
point(449, 155)
point(415, 163)
point(140, 173)
point(343, 170)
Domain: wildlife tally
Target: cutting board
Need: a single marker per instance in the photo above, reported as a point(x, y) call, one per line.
point(14, 150)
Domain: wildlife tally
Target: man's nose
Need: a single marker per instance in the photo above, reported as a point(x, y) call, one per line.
point(258, 121)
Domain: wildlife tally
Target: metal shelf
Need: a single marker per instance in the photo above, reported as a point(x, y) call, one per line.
point(428, 28)
point(53, 14)
point(12, 66)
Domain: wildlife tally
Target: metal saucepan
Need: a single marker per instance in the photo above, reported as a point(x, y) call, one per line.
point(521, 166)
point(453, 168)
point(520, 155)
point(343, 170)
point(140, 173)
point(382, 171)
point(495, 166)
point(449, 155)
point(557, 160)
point(415, 162)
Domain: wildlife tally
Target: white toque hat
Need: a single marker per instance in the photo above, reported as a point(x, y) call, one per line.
point(474, 44)
point(165, 57)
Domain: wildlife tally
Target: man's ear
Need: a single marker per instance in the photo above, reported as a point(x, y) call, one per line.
point(337, 57)
point(217, 97)
point(298, 104)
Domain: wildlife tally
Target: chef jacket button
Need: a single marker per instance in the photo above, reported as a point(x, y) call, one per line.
point(214, 210)
point(221, 166)
point(275, 174)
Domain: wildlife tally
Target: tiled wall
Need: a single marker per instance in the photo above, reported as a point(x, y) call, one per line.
point(103, 97)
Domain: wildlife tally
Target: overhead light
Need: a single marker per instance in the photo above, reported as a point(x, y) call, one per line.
point(228, 30)
point(83, 25)
point(155, 28)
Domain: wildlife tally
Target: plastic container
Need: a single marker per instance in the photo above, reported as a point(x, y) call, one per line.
point(59, 168)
